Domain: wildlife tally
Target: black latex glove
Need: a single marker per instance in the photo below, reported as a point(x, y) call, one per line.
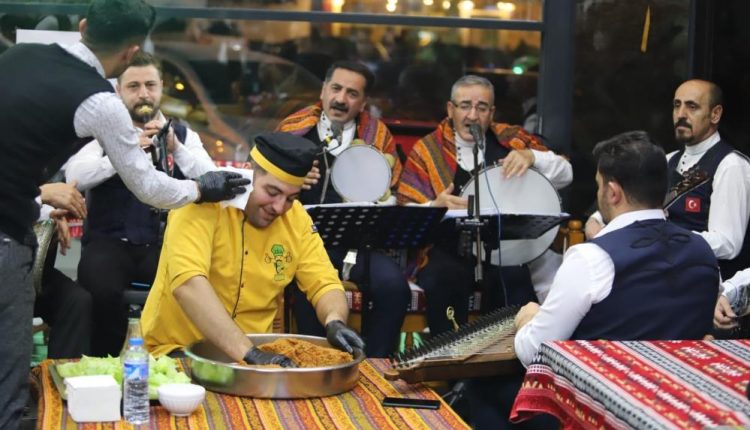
point(256, 356)
point(342, 337)
point(220, 185)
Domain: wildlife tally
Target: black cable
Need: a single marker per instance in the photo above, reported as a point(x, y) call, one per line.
point(242, 265)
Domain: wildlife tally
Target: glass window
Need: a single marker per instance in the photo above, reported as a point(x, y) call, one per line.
point(629, 59)
point(232, 79)
point(240, 78)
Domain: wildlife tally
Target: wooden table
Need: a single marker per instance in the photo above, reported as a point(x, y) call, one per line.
point(643, 385)
point(359, 408)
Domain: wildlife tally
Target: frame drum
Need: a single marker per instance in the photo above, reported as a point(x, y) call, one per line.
point(530, 193)
point(361, 174)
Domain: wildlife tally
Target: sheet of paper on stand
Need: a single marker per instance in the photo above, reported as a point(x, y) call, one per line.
point(93, 398)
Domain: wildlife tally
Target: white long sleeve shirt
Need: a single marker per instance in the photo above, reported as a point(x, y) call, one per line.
point(737, 290)
point(90, 166)
point(104, 116)
point(554, 167)
point(730, 198)
point(584, 279)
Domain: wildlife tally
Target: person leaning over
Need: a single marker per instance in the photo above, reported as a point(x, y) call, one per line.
point(54, 99)
point(222, 268)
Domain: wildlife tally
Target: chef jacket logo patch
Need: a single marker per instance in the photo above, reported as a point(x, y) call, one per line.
point(692, 204)
point(279, 257)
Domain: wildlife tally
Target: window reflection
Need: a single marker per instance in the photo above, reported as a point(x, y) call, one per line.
point(232, 79)
point(527, 10)
point(236, 86)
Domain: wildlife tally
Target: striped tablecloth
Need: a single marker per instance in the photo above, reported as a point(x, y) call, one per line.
point(359, 408)
point(643, 385)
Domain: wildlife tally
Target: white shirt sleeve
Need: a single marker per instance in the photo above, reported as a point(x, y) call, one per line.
point(736, 289)
point(584, 278)
point(191, 156)
point(89, 167)
point(554, 167)
point(104, 117)
point(730, 207)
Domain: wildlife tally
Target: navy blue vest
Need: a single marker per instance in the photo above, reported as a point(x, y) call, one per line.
point(691, 210)
point(115, 212)
point(41, 87)
point(665, 285)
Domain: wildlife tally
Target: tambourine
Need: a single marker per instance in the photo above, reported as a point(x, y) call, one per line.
point(361, 173)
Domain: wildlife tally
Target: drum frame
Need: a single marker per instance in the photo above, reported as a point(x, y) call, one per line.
point(347, 165)
point(512, 251)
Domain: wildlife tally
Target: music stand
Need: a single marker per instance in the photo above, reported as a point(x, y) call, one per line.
point(515, 226)
point(368, 226)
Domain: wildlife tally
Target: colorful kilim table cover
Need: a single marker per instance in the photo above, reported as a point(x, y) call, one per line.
point(641, 385)
point(359, 408)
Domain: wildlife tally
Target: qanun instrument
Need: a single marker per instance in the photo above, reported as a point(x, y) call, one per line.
point(483, 347)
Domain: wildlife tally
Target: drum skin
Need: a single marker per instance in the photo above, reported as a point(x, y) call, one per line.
point(361, 173)
point(530, 193)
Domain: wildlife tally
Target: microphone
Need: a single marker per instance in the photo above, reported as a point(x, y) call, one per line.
point(164, 130)
point(144, 113)
point(337, 129)
point(477, 134)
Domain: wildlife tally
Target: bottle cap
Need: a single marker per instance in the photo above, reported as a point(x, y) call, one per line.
point(136, 341)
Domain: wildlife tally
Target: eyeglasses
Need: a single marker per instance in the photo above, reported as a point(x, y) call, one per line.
point(466, 107)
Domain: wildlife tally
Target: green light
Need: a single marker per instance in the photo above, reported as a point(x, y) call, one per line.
point(518, 70)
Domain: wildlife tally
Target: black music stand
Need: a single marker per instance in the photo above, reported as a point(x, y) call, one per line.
point(369, 226)
point(513, 226)
point(516, 226)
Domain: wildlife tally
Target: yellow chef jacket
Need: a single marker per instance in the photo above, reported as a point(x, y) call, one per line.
point(247, 267)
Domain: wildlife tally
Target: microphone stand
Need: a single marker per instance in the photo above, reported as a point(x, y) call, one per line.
point(474, 223)
point(476, 220)
point(337, 135)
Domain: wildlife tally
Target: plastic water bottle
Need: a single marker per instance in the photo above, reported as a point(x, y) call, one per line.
point(134, 330)
point(135, 383)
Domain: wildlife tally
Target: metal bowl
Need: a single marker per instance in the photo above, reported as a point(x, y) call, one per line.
point(214, 370)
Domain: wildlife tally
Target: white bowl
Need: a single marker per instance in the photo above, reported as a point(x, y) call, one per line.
point(181, 399)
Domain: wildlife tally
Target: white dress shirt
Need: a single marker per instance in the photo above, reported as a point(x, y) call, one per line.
point(347, 134)
point(730, 199)
point(104, 117)
point(584, 279)
point(90, 167)
point(737, 291)
point(553, 166)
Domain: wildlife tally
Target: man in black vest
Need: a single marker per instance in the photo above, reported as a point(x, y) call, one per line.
point(640, 278)
point(121, 240)
point(718, 209)
point(55, 98)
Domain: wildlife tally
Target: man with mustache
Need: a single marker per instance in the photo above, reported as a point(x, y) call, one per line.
point(343, 106)
point(222, 268)
point(719, 209)
point(436, 169)
point(121, 240)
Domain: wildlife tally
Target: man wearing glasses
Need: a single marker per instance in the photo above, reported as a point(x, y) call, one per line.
point(436, 169)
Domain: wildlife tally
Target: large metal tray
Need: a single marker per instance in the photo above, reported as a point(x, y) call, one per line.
point(217, 372)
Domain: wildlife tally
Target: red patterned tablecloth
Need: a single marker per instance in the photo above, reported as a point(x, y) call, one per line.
point(359, 408)
point(643, 385)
